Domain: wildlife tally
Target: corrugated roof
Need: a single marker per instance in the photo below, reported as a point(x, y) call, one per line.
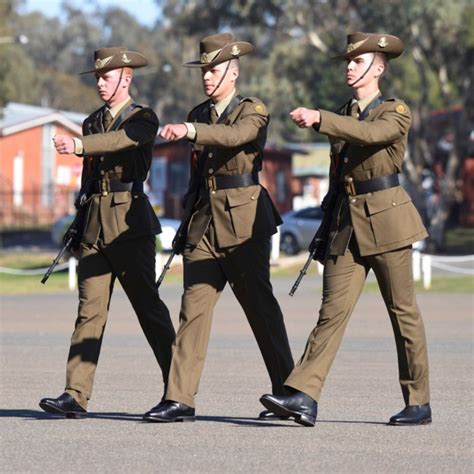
point(15, 117)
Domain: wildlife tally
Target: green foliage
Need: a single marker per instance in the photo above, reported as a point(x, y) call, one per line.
point(294, 40)
point(17, 76)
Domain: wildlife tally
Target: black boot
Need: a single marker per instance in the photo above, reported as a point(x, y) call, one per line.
point(63, 405)
point(299, 406)
point(170, 412)
point(269, 415)
point(412, 415)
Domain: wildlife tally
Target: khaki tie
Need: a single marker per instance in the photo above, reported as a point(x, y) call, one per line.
point(354, 111)
point(107, 119)
point(213, 117)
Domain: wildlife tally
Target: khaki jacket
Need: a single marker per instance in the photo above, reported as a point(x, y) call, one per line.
point(233, 147)
point(124, 154)
point(383, 220)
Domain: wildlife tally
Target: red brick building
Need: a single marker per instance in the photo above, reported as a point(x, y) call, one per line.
point(36, 184)
point(169, 177)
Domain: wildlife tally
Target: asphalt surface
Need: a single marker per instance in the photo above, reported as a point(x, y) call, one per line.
point(351, 434)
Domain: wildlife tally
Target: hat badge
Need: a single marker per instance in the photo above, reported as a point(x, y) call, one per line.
point(204, 58)
point(100, 63)
point(350, 47)
point(235, 51)
point(125, 59)
point(382, 42)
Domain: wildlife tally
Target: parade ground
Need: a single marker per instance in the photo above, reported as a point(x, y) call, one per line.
point(351, 434)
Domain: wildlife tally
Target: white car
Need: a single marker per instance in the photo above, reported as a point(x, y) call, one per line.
point(298, 229)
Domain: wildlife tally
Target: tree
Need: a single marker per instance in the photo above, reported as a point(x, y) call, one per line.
point(291, 66)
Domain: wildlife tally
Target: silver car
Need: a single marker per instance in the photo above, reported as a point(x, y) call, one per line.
point(298, 229)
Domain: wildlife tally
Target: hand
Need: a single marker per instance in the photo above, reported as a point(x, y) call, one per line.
point(64, 144)
point(304, 117)
point(174, 131)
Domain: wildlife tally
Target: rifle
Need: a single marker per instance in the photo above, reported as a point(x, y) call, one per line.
point(317, 247)
point(177, 247)
point(179, 241)
point(71, 240)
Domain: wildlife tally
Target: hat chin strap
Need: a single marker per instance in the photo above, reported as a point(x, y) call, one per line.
point(221, 79)
point(116, 87)
point(365, 73)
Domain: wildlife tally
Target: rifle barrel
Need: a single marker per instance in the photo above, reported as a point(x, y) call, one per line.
point(165, 269)
point(302, 273)
point(56, 260)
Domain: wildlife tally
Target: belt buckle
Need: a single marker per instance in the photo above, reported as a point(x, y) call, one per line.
point(349, 186)
point(104, 187)
point(211, 183)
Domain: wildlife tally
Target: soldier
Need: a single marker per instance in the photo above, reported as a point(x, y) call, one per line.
point(373, 226)
point(118, 240)
point(228, 238)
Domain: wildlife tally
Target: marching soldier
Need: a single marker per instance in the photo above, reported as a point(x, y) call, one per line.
point(118, 239)
point(232, 220)
point(373, 226)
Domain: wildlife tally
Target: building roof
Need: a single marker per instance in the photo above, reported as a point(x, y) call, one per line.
point(310, 159)
point(17, 117)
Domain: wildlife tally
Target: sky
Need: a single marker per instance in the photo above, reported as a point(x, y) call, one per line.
point(145, 11)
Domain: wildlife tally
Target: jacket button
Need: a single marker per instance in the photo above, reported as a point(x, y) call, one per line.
point(394, 204)
point(346, 160)
point(253, 198)
point(210, 155)
point(349, 180)
point(213, 192)
point(102, 172)
point(101, 158)
point(211, 170)
point(353, 200)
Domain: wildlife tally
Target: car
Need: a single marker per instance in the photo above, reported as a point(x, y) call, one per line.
point(168, 230)
point(60, 227)
point(298, 229)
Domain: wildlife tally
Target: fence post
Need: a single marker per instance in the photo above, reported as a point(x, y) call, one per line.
point(426, 267)
point(72, 273)
point(275, 252)
point(158, 264)
point(416, 260)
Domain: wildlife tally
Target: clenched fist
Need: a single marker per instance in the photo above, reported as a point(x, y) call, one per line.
point(64, 144)
point(174, 131)
point(304, 117)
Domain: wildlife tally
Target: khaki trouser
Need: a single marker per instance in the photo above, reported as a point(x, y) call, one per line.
point(206, 271)
point(133, 263)
point(343, 279)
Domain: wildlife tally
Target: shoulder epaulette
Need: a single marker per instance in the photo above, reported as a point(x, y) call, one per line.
point(260, 107)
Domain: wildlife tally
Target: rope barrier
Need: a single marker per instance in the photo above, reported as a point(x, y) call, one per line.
point(422, 265)
point(32, 271)
point(461, 258)
point(449, 268)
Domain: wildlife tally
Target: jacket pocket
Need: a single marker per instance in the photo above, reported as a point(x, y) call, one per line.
point(121, 202)
point(121, 197)
point(242, 207)
point(384, 200)
point(393, 218)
